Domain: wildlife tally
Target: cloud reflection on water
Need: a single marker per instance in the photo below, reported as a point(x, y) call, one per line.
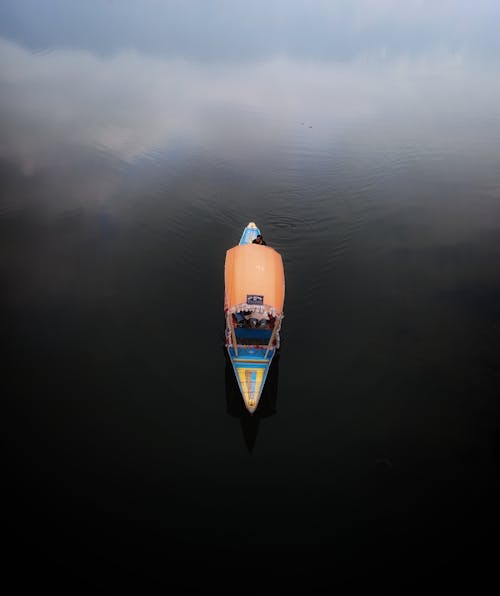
point(130, 104)
point(234, 32)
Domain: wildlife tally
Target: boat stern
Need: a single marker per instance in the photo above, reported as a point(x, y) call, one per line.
point(249, 233)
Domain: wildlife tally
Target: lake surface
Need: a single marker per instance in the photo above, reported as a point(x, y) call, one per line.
point(137, 140)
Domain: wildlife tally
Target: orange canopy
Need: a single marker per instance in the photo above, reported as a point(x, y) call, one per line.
point(254, 276)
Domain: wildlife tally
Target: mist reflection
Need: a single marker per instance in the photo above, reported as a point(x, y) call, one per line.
point(62, 107)
point(267, 405)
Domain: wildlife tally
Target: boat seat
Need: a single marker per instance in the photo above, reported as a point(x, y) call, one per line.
point(263, 335)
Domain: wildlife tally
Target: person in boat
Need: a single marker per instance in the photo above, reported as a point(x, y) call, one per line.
point(259, 240)
point(257, 320)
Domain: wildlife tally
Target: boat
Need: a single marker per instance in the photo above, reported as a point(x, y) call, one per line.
point(253, 305)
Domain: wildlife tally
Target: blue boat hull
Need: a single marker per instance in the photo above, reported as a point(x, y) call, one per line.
point(251, 368)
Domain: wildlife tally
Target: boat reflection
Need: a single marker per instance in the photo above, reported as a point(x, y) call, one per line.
point(267, 404)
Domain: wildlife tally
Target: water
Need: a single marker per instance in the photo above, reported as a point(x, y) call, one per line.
point(137, 140)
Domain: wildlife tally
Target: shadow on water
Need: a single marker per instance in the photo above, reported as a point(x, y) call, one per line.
point(267, 404)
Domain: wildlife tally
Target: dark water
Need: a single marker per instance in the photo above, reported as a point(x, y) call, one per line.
point(137, 139)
